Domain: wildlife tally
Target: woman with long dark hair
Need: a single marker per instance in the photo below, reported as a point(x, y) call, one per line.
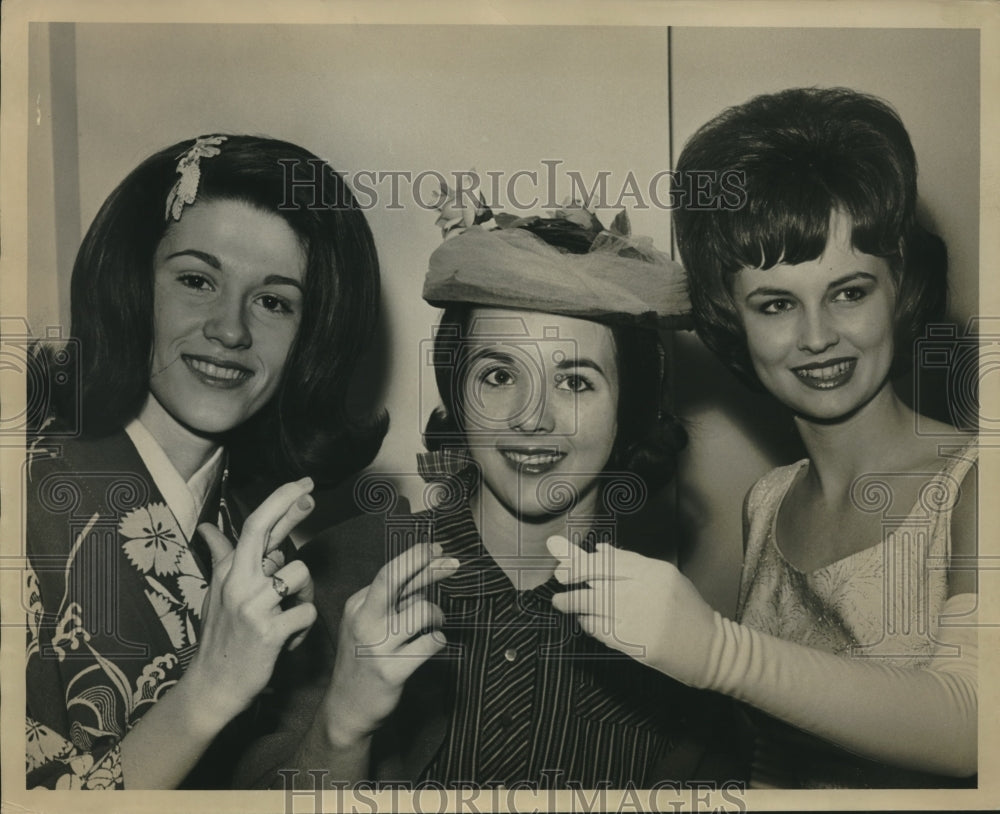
point(218, 311)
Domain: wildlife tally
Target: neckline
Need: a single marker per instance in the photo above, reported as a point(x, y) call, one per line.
point(184, 498)
point(479, 573)
point(479, 570)
point(803, 465)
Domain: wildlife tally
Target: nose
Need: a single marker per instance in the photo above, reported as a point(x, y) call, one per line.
point(538, 416)
point(227, 324)
point(817, 331)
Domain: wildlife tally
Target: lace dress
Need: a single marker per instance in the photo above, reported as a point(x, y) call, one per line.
point(881, 602)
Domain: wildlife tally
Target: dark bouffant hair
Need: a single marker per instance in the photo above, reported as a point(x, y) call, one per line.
point(759, 183)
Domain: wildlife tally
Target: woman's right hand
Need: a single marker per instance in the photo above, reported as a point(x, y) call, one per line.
point(244, 624)
point(640, 606)
point(388, 630)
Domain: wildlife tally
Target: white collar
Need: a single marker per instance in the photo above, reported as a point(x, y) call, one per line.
point(185, 500)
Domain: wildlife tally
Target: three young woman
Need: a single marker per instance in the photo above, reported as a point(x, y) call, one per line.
point(853, 650)
point(856, 614)
point(217, 314)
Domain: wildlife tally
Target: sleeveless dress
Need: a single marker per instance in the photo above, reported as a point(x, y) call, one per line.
point(881, 602)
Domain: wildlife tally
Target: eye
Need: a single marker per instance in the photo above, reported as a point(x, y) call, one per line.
point(499, 377)
point(778, 306)
point(851, 294)
point(193, 280)
point(275, 304)
point(574, 382)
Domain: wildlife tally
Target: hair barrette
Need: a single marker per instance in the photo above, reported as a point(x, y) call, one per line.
point(189, 169)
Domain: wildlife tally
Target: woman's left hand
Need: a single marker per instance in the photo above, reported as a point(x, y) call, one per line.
point(641, 606)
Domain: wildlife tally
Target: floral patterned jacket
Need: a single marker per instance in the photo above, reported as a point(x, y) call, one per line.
point(114, 595)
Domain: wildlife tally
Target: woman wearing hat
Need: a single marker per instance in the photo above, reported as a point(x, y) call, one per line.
point(550, 370)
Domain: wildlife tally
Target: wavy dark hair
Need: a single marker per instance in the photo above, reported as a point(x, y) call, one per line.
point(305, 429)
point(649, 436)
point(758, 184)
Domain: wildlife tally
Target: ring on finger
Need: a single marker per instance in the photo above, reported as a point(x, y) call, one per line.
point(279, 586)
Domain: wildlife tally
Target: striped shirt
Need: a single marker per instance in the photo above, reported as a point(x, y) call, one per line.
point(533, 699)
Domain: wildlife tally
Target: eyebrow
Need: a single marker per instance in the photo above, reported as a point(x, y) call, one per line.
point(568, 364)
point(205, 257)
point(766, 291)
point(280, 279)
point(491, 353)
point(214, 262)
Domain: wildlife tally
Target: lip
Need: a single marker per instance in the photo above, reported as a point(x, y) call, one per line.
point(532, 460)
point(828, 374)
point(217, 372)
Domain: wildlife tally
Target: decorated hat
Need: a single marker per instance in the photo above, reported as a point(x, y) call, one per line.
point(579, 269)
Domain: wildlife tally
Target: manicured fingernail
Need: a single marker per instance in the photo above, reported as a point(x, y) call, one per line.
point(436, 549)
point(445, 564)
point(305, 503)
point(306, 483)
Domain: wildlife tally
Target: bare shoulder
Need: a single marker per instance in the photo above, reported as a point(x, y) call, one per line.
point(932, 449)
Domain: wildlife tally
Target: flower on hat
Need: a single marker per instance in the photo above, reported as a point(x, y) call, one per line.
point(458, 215)
point(567, 263)
point(579, 213)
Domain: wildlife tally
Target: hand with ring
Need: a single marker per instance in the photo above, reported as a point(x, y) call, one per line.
point(250, 615)
point(279, 586)
point(274, 560)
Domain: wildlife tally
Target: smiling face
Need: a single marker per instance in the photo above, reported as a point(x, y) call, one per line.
point(820, 333)
point(540, 401)
point(227, 304)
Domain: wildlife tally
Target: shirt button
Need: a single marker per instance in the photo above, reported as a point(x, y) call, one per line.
point(510, 654)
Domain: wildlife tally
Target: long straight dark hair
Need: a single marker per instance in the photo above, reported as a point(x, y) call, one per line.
point(305, 428)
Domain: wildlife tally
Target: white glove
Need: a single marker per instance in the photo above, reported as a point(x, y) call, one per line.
point(918, 718)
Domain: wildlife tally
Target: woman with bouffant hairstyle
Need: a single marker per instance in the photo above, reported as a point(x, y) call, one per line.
point(854, 646)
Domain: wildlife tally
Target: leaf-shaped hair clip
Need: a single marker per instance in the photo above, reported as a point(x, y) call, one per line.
point(185, 190)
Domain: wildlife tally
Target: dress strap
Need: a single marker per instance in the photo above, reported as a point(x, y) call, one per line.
point(943, 492)
point(761, 508)
point(961, 460)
